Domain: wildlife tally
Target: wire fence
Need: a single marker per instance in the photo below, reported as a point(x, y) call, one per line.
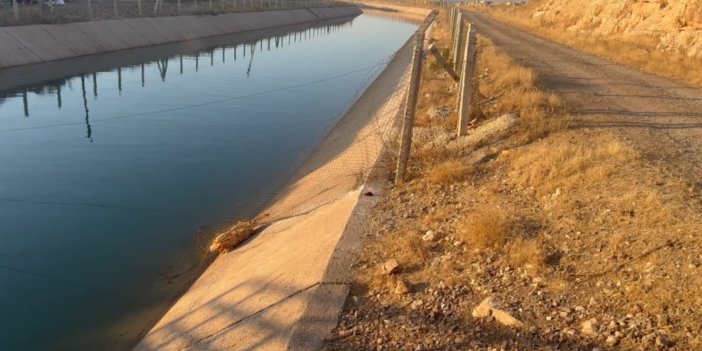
point(24, 12)
point(344, 161)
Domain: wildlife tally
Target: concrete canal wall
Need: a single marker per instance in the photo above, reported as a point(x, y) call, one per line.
point(24, 45)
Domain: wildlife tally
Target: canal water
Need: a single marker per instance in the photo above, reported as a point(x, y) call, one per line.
point(112, 181)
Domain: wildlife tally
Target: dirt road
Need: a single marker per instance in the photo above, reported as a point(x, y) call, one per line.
point(660, 117)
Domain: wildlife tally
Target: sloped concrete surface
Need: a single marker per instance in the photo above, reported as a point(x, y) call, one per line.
point(250, 298)
point(14, 52)
point(41, 43)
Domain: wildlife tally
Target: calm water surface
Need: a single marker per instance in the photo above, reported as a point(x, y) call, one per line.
point(108, 179)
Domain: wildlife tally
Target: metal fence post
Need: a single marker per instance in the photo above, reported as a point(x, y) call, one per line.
point(411, 101)
point(465, 107)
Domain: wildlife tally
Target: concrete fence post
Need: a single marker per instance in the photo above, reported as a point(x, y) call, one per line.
point(454, 44)
point(447, 67)
point(465, 106)
point(114, 4)
point(139, 6)
point(460, 43)
point(15, 9)
point(411, 101)
point(90, 9)
point(452, 21)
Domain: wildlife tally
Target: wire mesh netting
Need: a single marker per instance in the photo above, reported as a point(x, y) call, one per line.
point(344, 159)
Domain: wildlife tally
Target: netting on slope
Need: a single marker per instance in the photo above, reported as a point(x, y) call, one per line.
point(344, 159)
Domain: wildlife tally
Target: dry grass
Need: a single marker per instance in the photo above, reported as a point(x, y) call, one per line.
point(514, 89)
point(437, 217)
point(581, 214)
point(406, 247)
point(562, 164)
point(450, 171)
point(485, 228)
point(530, 254)
point(641, 52)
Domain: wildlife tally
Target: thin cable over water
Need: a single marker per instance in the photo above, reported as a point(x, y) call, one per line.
point(185, 107)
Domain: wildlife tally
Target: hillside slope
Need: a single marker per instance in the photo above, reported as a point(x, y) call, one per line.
point(667, 25)
point(661, 37)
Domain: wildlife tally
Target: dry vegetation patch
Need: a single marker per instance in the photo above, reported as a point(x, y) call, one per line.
point(484, 228)
point(448, 172)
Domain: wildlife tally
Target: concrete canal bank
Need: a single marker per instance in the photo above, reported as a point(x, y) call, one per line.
point(282, 289)
point(25, 45)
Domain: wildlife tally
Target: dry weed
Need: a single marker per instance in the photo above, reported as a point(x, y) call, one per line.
point(406, 247)
point(514, 89)
point(560, 163)
point(448, 172)
point(485, 228)
point(527, 253)
point(435, 218)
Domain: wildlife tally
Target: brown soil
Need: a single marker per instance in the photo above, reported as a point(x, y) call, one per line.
point(659, 117)
point(589, 210)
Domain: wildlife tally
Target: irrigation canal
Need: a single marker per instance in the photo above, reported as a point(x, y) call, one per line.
point(112, 180)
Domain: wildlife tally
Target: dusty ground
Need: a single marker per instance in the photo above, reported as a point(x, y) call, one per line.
point(582, 222)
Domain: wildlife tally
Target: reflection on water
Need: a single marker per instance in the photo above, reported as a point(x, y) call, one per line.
point(113, 175)
point(54, 87)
